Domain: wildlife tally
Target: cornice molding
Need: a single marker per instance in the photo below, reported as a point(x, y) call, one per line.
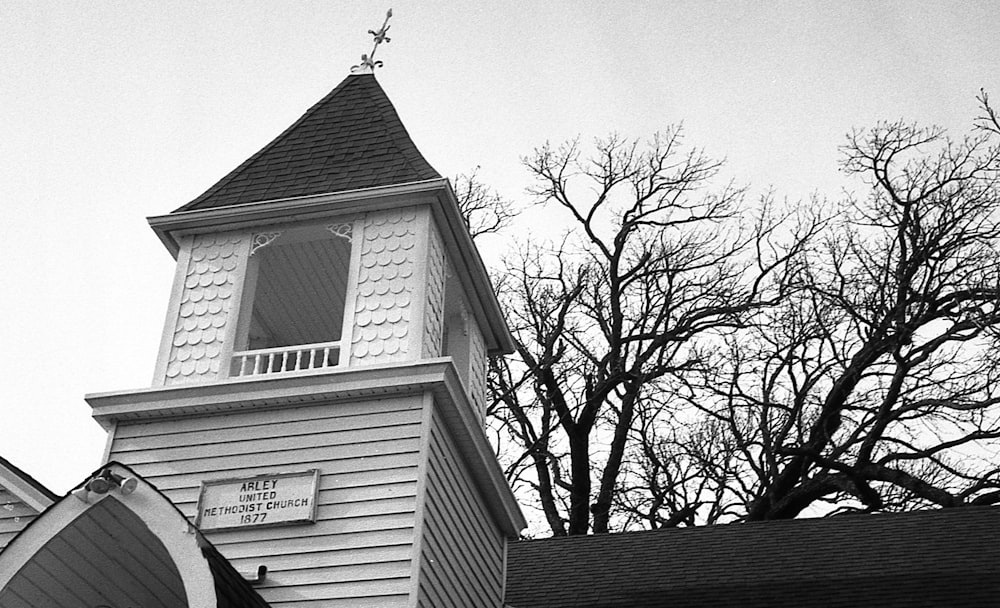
point(436, 376)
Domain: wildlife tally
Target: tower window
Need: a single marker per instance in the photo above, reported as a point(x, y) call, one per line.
point(292, 312)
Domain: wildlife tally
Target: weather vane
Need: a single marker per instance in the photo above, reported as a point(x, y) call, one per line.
point(368, 63)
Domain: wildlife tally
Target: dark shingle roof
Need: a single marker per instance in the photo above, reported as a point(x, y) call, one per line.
point(921, 559)
point(351, 139)
point(231, 589)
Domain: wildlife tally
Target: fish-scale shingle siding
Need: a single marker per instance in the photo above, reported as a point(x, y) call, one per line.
point(203, 317)
point(387, 282)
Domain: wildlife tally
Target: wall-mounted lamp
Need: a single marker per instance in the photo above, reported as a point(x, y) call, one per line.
point(255, 578)
point(104, 482)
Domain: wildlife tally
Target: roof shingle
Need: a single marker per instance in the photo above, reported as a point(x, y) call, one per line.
point(927, 559)
point(351, 139)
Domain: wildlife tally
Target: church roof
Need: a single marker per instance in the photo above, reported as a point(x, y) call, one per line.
point(108, 553)
point(9, 473)
point(948, 557)
point(351, 139)
point(22, 498)
point(231, 589)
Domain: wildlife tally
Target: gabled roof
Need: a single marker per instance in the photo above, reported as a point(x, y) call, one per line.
point(25, 486)
point(22, 498)
point(118, 549)
point(936, 558)
point(351, 139)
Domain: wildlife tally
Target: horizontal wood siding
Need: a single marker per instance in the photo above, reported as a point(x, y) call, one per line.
point(14, 516)
point(462, 549)
point(359, 551)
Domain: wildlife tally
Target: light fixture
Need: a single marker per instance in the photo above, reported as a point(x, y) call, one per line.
point(104, 482)
point(100, 484)
point(255, 578)
point(129, 485)
point(82, 494)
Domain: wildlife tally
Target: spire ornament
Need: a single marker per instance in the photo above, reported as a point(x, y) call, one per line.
point(368, 62)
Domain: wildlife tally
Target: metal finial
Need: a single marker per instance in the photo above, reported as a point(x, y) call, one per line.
point(368, 62)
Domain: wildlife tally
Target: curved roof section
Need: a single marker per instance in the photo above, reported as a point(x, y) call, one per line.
point(120, 550)
point(351, 139)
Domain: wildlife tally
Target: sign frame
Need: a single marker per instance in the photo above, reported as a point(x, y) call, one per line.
point(207, 485)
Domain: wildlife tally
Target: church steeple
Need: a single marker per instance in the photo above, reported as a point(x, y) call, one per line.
point(381, 271)
point(350, 140)
point(330, 320)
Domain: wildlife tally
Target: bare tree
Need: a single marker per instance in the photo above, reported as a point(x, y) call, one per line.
point(682, 471)
point(607, 316)
point(484, 210)
point(681, 361)
point(874, 384)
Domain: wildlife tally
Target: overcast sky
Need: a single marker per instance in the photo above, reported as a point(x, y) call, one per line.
point(114, 111)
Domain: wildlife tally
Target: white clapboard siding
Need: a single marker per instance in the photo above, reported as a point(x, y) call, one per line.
point(461, 561)
point(361, 541)
point(333, 489)
point(14, 516)
point(359, 550)
point(389, 463)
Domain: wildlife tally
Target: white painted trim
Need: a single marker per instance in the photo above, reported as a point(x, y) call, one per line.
point(418, 300)
point(24, 490)
point(324, 386)
point(173, 312)
point(416, 561)
point(351, 297)
point(471, 270)
point(250, 392)
point(109, 442)
point(317, 205)
point(238, 320)
point(159, 515)
point(471, 439)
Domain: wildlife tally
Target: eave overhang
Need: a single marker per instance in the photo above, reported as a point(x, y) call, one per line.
point(436, 376)
point(25, 487)
point(437, 193)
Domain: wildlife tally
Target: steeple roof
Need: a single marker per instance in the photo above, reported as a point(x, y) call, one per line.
point(351, 139)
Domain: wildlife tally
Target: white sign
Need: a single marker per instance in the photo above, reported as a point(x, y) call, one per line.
point(264, 500)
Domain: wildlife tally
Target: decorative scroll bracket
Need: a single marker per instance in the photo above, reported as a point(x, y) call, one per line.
point(262, 239)
point(344, 231)
point(368, 62)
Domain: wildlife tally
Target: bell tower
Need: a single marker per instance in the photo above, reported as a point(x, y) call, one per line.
point(328, 332)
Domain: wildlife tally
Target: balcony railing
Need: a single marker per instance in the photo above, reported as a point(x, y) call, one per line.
point(300, 357)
